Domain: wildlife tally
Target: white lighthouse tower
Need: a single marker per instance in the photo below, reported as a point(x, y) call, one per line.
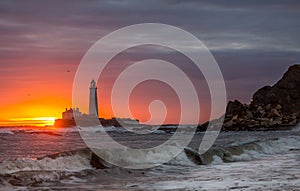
point(93, 103)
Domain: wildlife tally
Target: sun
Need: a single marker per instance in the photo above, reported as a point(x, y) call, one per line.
point(44, 120)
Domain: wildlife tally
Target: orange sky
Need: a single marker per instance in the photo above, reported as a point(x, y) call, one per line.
point(38, 88)
point(35, 94)
point(43, 42)
point(37, 98)
point(41, 103)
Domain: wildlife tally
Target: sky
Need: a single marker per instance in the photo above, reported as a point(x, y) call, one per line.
point(43, 41)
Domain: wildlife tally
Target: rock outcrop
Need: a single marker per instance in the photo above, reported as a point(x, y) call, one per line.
point(285, 92)
point(275, 107)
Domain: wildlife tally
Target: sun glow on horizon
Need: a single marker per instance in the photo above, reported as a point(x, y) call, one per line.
point(29, 121)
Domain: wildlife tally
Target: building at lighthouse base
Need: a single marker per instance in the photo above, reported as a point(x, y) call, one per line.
point(73, 117)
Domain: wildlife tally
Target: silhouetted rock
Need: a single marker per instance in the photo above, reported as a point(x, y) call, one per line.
point(272, 107)
point(285, 92)
point(235, 108)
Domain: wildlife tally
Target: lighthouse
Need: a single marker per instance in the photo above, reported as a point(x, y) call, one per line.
point(93, 102)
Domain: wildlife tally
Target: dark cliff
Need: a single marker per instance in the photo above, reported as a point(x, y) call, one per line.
point(272, 107)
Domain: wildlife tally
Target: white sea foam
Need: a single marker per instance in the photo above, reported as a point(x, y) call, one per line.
point(267, 173)
point(246, 155)
point(269, 147)
point(100, 129)
point(217, 160)
point(62, 130)
point(280, 145)
point(181, 160)
point(144, 158)
point(73, 163)
point(8, 187)
point(273, 165)
point(6, 131)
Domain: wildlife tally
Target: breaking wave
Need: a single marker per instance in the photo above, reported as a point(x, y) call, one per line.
point(51, 168)
point(81, 159)
point(78, 163)
point(6, 131)
point(244, 152)
point(69, 161)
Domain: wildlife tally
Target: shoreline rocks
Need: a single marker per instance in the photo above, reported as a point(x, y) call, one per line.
point(272, 108)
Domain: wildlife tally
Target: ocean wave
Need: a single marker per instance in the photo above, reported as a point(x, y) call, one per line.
point(83, 162)
point(244, 152)
point(14, 174)
point(71, 162)
point(6, 131)
point(81, 159)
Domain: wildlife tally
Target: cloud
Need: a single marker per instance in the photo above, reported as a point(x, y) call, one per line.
point(249, 39)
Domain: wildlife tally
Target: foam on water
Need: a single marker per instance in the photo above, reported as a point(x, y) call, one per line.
point(244, 152)
point(182, 159)
point(269, 147)
point(269, 172)
point(280, 145)
point(6, 131)
point(80, 161)
point(73, 163)
point(266, 163)
point(62, 130)
point(217, 160)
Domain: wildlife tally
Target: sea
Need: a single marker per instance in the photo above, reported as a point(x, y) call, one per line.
point(48, 158)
